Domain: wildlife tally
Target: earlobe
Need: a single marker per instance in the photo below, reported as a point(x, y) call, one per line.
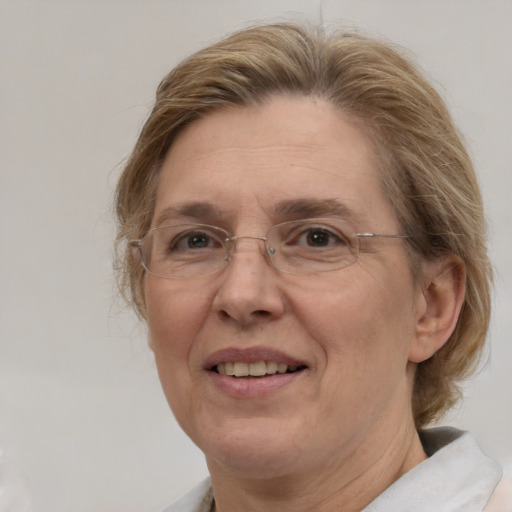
point(441, 302)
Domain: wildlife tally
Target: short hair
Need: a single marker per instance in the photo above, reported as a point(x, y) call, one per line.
point(426, 172)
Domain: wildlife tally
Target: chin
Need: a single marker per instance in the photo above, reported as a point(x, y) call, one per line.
point(256, 448)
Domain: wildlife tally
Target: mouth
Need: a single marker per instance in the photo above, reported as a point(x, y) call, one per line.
point(253, 363)
point(259, 369)
point(254, 372)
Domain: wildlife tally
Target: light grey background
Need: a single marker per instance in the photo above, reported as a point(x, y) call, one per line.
point(83, 423)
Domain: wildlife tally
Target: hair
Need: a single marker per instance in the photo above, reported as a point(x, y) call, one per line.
point(426, 172)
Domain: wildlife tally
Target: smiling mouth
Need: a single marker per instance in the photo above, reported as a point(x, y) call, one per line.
point(255, 370)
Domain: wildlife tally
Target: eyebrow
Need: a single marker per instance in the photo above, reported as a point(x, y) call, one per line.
point(196, 210)
point(304, 208)
point(289, 209)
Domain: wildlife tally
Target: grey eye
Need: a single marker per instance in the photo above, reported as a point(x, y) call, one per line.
point(198, 241)
point(194, 240)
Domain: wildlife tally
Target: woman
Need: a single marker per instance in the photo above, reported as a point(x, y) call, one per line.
point(305, 240)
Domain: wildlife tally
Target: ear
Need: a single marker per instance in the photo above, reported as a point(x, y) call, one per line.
point(443, 289)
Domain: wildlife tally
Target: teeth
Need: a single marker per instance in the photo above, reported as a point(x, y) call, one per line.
point(271, 367)
point(258, 369)
point(241, 369)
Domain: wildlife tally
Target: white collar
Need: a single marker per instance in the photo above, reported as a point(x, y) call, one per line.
point(457, 477)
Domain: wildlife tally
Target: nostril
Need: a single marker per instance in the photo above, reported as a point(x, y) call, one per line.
point(261, 312)
point(243, 317)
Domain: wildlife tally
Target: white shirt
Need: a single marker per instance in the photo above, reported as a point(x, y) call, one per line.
point(457, 477)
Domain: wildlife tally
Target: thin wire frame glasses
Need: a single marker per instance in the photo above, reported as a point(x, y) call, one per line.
point(305, 246)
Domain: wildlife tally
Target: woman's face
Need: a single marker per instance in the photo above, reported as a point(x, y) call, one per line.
point(348, 331)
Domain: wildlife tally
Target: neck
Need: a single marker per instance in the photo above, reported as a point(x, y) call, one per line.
point(348, 485)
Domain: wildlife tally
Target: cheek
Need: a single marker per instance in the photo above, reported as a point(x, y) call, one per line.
point(363, 349)
point(175, 315)
point(360, 324)
point(171, 308)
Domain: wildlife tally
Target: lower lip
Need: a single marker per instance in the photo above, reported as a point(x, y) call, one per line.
point(253, 387)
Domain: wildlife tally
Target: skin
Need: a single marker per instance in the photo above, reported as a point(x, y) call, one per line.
point(342, 430)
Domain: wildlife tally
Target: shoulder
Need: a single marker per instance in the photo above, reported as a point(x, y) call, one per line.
point(199, 499)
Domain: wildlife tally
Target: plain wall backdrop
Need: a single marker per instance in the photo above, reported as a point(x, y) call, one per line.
point(83, 423)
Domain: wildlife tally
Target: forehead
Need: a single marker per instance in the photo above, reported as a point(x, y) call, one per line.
point(245, 159)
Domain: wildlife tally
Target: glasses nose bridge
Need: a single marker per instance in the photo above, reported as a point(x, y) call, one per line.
point(231, 242)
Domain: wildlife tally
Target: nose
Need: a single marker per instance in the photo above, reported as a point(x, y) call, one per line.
point(248, 291)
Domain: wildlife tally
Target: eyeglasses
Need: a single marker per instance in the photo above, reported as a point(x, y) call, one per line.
point(308, 246)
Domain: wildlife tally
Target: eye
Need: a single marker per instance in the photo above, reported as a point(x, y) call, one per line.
point(194, 240)
point(317, 236)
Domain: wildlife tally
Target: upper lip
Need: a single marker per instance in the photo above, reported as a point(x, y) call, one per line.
point(250, 355)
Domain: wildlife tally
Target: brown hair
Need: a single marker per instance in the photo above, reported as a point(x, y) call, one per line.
point(427, 173)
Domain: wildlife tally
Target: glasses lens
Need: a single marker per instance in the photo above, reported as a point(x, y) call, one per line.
point(185, 250)
point(313, 245)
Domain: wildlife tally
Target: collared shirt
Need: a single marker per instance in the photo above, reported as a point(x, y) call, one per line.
point(457, 477)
